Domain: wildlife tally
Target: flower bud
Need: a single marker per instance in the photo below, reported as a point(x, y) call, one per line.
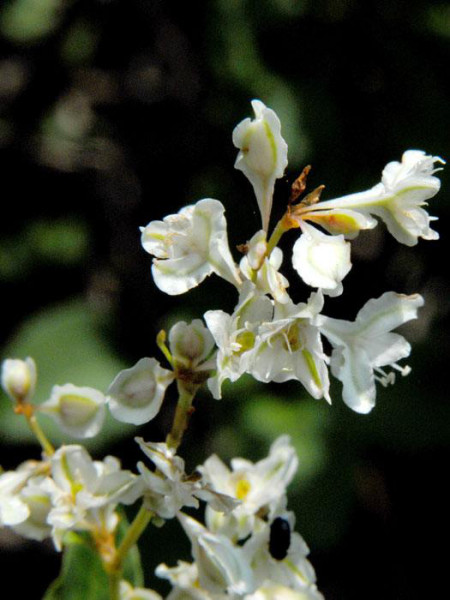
point(341, 221)
point(79, 411)
point(262, 154)
point(191, 345)
point(19, 378)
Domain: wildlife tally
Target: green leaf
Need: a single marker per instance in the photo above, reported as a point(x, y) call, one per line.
point(82, 576)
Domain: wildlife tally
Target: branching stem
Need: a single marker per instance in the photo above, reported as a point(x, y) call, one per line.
point(186, 391)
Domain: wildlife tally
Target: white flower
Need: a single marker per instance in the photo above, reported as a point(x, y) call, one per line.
point(321, 260)
point(398, 199)
point(189, 246)
point(363, 347)
point(260, 487)
point(13, 509)
point(37, 495)
point(192, 346)
point(262, 270)
point(136, 394)
point(262, 154)
point(222, 567)
point(167, 489)
point(184, 579)
point(24, 499)
point(19, 378)
point(79, 411)
point(86, 492)
point(290, 347)
point(235, 335)
point(294, 571)
point(90, 483)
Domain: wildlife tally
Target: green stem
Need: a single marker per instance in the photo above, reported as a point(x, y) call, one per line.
point(182, 413)
point(40, 435)
point(134, 532)
point(279, 230)
point(114, 579)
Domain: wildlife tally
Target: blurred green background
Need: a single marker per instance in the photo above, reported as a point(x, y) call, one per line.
point(117, 112)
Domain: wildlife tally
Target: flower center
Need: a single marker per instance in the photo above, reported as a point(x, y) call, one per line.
point(292, 338)
point(245, 340)
point(242, 489)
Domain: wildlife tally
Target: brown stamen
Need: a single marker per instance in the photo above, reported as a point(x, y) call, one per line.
point(299, 185)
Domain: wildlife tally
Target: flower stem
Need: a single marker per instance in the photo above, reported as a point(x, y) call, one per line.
point(281, 227)
point(40, 435)
point(114, 579)
point(183, 411)
point(134, 532)
point(27, 410)
point(114, 568)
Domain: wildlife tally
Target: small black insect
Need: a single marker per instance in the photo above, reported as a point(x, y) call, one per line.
point(280, 538)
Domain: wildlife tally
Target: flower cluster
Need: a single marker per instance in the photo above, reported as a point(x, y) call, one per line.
point(247, 546)
point(233, 551)
point(238, 552)
point(268, 335)
point(65, 492)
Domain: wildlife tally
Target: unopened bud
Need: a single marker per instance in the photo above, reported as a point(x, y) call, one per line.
point(19, 378)
point(191, 345)
point(262, 154)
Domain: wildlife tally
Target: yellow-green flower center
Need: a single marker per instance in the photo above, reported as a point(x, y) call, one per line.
point(242, 489)
point(246, 341)
point(293, 341)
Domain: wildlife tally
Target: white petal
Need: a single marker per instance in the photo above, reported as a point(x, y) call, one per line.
point(189, 246)
point(352, 367)
point(388, 312)
point(136, 394)
point(321, 260)
point(79, 411)
point(179, 275)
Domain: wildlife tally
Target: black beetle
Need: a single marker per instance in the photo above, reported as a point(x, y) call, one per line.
point(280, 538)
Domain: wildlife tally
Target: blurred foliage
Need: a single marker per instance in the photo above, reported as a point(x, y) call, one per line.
point(66, 346)
point(28, 21)
point(62, 241)
point(117, 112)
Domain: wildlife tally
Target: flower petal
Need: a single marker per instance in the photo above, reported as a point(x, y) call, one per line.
point(321, 260)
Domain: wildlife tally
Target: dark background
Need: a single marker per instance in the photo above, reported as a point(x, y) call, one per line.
point(115, 113)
